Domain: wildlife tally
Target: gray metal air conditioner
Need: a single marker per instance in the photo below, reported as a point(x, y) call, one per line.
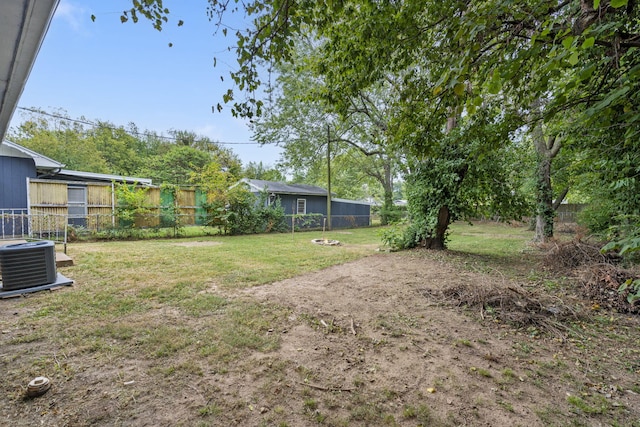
point(26, 265)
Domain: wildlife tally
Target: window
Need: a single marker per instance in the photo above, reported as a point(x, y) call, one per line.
point(302, 207)
point(77, 204)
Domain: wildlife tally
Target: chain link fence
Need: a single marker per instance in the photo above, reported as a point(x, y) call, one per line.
point(17, 224)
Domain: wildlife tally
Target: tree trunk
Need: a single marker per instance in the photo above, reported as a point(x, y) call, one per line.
point(440, 233)
point(544, 202)
point(437, 241)
point(545, 209)
point(387, 185)
point(387, 208)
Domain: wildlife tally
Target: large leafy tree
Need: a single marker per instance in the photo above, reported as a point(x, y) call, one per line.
point(63, 140)
point(521, 46)
point(121, 150)
point(176, 166)
point(258, 170)
point(225, 157)
point(357, 143)
point(462, 171)
point(103, 147)
point(608, 174)
point(455, 55)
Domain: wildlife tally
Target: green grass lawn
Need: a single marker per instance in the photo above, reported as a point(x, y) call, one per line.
point(240, 261)
point(117, 278)
point(227, 261)
point(176, 309)
point(489, 238)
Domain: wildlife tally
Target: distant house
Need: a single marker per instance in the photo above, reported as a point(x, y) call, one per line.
point(308, 203)
point(33, 184)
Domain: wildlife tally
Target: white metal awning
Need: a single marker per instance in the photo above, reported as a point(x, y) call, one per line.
point(23, 25)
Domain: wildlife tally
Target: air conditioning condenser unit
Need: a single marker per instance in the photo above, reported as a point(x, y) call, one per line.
point(28, 267)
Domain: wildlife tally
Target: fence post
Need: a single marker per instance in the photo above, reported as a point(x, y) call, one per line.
point(64, 224)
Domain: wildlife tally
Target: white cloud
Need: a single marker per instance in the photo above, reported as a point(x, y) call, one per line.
point(75, 16)
point(210, 131)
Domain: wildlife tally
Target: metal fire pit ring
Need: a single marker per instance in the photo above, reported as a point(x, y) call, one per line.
point(38, 386)
point(326, 242)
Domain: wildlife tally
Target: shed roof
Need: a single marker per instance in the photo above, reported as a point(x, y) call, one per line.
point(102, 177)
point(353, 202)
point(23, 25)
point(284, 188)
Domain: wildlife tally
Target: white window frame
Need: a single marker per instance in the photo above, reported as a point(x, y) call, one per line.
point(302, 202)
point(77, 205)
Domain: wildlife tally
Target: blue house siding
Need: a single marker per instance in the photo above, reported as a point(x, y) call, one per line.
point(13, 181)
point(315, 204)
point(348, 215)
point(13, 194)
point(344, 213)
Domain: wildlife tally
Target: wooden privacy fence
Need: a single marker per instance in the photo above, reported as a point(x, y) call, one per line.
point(94, 205)
point(568, 212)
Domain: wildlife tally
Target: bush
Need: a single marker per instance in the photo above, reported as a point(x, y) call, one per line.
point(393, 237)
point(271, 218)
point(625, 238)
point(405, 236)
point(244, 213)
point(392, 215)
point(597, 217)
point(308, 221)
point(131, 204)
point(241, 218)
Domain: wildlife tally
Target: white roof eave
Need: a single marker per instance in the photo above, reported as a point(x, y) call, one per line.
point(42, 162)
point(23, 25)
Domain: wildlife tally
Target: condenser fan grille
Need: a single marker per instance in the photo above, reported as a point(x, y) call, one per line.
point(24, 265)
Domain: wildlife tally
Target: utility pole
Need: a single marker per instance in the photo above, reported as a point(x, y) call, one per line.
point(328, 178)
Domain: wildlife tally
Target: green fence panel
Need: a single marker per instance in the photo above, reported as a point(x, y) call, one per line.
point(167, 208)
point(201, 212)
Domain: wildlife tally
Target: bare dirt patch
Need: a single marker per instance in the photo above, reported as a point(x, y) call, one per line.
point(412, 350)
point(367, 343)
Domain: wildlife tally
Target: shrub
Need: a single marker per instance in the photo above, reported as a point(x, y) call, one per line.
point(131, 204)
point(241, 212)
point(597, 217)
point(625, 238)
point(392, 215)
point(271, 218)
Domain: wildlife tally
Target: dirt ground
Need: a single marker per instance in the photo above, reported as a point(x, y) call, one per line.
point(366, 343)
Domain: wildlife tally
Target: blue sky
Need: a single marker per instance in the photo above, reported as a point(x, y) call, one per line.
point(122, 73)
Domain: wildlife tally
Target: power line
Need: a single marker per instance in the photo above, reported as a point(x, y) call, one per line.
point(131, 132)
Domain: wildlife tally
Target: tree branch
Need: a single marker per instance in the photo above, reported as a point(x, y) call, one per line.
point(556, 204)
